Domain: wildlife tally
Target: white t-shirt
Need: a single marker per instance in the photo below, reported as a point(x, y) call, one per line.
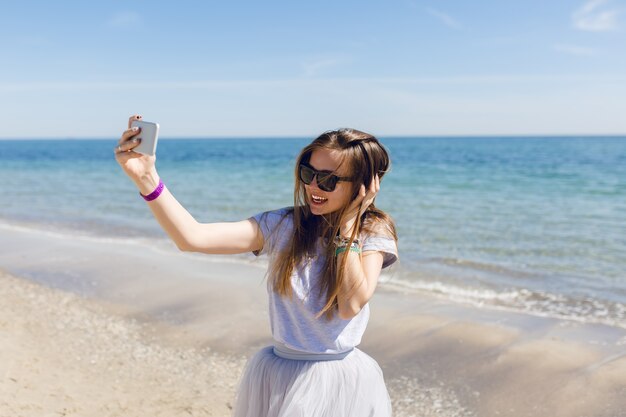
point(293, 319)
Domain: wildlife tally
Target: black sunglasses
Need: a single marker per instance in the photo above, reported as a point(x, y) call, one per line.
point(325, 180)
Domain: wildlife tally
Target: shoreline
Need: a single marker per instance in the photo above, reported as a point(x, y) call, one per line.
point(398, 279)
point(438, 358)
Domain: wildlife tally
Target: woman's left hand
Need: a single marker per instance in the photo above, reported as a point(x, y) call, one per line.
point(356, 209)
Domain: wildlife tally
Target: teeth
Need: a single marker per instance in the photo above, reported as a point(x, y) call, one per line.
point(318, 198)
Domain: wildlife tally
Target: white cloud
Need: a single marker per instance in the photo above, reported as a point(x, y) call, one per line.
point(594, 16)
point(444, 18)
point(125, 19)
point(574, 49)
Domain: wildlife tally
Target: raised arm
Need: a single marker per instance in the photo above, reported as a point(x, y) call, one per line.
point(178, 223)
point(361, 272)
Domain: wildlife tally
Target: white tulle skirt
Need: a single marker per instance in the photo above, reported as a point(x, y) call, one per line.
point(349, 385)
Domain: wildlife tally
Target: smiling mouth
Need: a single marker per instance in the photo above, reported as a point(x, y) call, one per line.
point(318, 200)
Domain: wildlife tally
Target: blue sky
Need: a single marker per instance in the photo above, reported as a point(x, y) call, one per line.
point(242, 68)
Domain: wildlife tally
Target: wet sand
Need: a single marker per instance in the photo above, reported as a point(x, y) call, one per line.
point(104, 327)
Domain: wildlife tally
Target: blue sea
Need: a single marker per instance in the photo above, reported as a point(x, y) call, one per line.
point(529, 224)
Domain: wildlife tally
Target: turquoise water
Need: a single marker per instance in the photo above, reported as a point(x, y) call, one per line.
point(529, 224)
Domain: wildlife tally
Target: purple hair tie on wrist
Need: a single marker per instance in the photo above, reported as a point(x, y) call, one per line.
point(154, 194)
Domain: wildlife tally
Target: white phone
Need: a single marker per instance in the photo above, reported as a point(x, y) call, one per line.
point(149, 135)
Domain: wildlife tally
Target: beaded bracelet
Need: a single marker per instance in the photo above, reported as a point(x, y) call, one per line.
point(353, 248)
point(342, 244)
point(343, 241)
point(154, 194)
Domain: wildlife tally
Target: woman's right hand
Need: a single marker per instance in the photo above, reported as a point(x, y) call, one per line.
point(139, 168)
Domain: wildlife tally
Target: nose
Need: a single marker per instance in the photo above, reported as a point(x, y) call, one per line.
point(315, 186)
point(314, 181)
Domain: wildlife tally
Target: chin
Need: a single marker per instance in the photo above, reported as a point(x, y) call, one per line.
point(320, 211)
point(317, 211)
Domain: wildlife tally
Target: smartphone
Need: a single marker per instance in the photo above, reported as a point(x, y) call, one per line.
point(149, 135)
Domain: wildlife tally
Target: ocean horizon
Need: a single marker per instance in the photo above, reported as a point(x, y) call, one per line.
point(525, 223)
point(621, 136)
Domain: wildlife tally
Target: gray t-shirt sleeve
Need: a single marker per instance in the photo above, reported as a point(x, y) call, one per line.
point(387, 245)
point(268, 222)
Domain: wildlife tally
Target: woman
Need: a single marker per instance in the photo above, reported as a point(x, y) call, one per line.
point(326, 254)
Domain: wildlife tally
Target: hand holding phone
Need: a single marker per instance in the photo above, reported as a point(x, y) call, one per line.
point(149, 135)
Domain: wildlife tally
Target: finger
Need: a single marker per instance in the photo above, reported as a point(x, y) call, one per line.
point(133, 118)
point(373, 188)
point(371, 193)
point(356, 203)
point(373, 185)
point(128, 133)
point(127, 146)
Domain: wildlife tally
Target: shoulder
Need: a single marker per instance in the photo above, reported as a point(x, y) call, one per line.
point(378, 234)
point(275, 226)
point(378, 225)
point(273, 217)
point(269, 221)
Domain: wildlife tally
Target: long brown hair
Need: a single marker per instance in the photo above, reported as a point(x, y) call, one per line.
point(365, 157)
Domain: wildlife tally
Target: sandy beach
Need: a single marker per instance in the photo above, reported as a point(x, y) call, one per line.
point(64, 356)
point(104, 327)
